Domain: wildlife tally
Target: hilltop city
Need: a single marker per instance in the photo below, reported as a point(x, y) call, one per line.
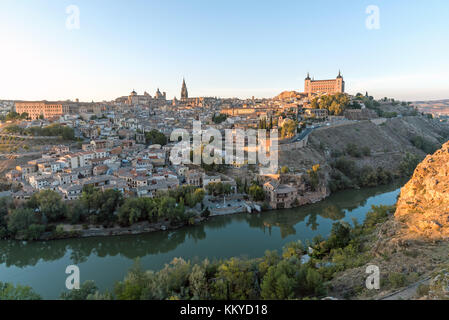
point(123, 146)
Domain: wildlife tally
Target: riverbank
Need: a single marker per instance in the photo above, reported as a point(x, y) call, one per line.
point(79, 231)
point(106, 259)
point(69, 231)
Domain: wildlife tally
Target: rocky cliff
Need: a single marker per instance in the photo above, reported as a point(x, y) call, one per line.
point(423, 206)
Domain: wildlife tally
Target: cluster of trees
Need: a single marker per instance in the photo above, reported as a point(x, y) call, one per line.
point(11, 116)
point(425, 145)
point(11, 292)
point(264, 123)
point(253, 189)
point(289, 128)
point(155, 137)
point(275, 276)
point(30, 220)
point(314, 177)
point(370, 103)
point(46, 209)
point(147, 209)
point(219, 188)
point(346, 174)
point(335, 104)
point(353, 150)
point(53, 130)
point(220, 118)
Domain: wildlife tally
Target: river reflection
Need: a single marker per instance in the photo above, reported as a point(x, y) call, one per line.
point(106, 259)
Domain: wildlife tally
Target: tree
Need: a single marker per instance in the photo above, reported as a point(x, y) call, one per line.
point(68, 133)
point(270, 258)
point(408, 164)
point(289, 128)
point(280, 282)
point(285, 170)
point(155, 137)
point(101, 205)
point(10, 292)
point(340, 236)
point(25, 223)
point(86, 290)
point(219, 188)
point(235, 280)
point(335, 104)
point(314, 178)
point(133, 210)
point(256, 192)
point(110, 201)
point(220, 118)
point(49, 204)
point(6, 204)
point(198, 283)
point(133, 285)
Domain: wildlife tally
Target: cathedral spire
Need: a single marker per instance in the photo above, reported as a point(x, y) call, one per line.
point(184, 92)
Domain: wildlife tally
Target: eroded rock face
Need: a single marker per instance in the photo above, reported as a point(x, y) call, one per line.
point(423, 205)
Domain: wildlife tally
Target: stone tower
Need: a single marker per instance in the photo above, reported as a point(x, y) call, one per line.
point(340, 83)
point(184, 92)
point(308, 84)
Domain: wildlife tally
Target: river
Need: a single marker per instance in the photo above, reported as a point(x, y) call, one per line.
point(106, 260)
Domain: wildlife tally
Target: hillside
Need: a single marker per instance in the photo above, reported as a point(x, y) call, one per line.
point(387, 143)
point(410, 247)
point(424, 201)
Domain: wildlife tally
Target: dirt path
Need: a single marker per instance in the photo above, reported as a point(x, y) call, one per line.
point(408, 293)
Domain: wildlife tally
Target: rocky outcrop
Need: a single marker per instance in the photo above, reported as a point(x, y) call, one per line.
point(287, 95)
point(423, 206)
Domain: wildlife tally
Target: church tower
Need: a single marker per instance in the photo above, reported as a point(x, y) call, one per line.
point(308, 84)
point(184, 92)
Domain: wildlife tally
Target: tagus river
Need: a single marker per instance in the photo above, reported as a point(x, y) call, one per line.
point(42, 265)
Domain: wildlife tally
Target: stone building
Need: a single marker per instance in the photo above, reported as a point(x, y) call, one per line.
point(280, 196)
point(332, 86)
point(36, 109)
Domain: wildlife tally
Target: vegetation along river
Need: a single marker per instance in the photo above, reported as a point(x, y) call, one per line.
point(106, 260)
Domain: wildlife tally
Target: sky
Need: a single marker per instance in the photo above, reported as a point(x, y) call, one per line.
point(224, 48)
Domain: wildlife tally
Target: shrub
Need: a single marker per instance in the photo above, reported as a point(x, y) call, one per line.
point(423, 144)
point(353, 150)
point(397, 280)
point(408, 164)
point(423, 290)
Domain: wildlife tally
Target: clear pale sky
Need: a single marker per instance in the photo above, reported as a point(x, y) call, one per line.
point(223, 48)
